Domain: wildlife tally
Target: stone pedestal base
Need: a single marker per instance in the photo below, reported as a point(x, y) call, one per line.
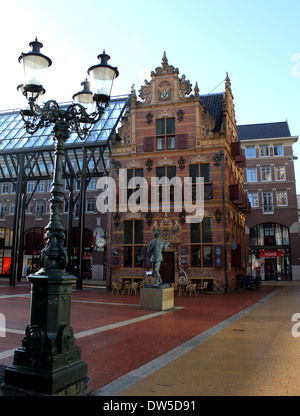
point(80, 388)
point(157, 299)
point(48, 361)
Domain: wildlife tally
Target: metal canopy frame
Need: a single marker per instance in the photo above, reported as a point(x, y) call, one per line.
point(84, 160)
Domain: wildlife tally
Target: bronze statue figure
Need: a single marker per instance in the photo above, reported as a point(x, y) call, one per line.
point(155, 248)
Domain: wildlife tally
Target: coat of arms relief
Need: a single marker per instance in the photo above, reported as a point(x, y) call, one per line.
point(168, 231)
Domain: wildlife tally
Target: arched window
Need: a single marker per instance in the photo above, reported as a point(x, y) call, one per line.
point(34, 240)
point(269, 234)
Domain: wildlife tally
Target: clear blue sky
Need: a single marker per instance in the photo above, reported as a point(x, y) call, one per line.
point(257, 42)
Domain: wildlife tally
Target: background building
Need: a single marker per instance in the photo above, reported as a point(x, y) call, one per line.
point(272, 227)
point(26, 170)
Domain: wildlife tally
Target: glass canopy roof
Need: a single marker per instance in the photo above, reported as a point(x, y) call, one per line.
point(13, 136)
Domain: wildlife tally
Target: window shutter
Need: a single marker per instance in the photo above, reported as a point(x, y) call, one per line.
point(235, 148)
point(149, 144)
point(181, 141)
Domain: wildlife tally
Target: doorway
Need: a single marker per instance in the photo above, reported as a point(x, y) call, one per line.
point(167, 267)
point(270, 268)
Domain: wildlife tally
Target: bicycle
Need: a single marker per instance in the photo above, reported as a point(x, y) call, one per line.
point(247, 282)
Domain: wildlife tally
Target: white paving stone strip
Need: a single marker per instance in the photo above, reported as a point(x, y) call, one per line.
point(120, 324)
point(93, 331)
point(133, 377)
point(107, 303)
point(15, 296)
point(6, 354)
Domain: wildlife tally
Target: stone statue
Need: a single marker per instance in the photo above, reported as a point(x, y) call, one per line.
point(155, 248)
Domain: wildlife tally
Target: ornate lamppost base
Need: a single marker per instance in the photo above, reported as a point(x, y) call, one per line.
point(48, 361)
point(79, 388)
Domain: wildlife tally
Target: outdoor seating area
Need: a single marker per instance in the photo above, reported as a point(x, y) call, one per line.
point(190, 288)
point(130, 287)
point(127, 287)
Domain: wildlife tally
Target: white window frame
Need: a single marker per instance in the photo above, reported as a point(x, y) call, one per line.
point(11, 207)
point(92, 184)
point(90, 203)
point(3, 210)
point(252, 173)
point(253, 196)
point(250, 148)
point(39, 209)
point(286, 198)
point(265, 171)
point(262, 149)
point(277, 171)
point(41, 186)
point(5, 187)
point(30, 186)
point(279, 146)
point(270, 204)
point(29, 209)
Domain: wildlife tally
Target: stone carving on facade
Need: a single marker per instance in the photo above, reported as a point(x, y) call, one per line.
point(196, 91)
point(208, 124)
point(133, 164)
point(149, 117)
point(165, 67)
point(133, 216)
point(124, 130)
point(185, 87)
point(145, 92)
point(165, 114)
point(167, 231)
point(165, 162)
point(180, 114)
point(199, 159)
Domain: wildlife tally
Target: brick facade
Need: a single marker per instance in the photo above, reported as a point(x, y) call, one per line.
point(204, 125)
point(279, 185)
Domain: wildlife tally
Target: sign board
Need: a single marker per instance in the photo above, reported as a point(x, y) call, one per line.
point(270, 253)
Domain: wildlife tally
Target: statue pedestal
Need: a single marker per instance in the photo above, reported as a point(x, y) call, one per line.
point(157, 299)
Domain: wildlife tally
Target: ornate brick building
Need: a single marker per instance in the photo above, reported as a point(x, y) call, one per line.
point(172, 133)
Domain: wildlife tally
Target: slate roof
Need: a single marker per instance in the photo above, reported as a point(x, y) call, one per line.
point(263, 131)
point(214, 106)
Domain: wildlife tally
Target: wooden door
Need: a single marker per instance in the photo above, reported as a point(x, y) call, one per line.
point(167, 267)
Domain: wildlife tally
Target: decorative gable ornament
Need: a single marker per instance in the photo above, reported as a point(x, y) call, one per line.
point(168, 88)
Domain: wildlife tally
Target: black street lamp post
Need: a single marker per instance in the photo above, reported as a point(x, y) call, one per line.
point(48, 361)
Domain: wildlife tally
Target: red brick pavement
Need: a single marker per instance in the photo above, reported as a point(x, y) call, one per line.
point(115, 352)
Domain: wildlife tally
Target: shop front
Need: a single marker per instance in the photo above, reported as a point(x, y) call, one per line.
point(270, 252)
point(6, 236)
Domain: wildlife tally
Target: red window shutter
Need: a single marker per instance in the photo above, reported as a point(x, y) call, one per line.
point(234, 191)
point(235, 148)
point(181, 141)
point(149, 144)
